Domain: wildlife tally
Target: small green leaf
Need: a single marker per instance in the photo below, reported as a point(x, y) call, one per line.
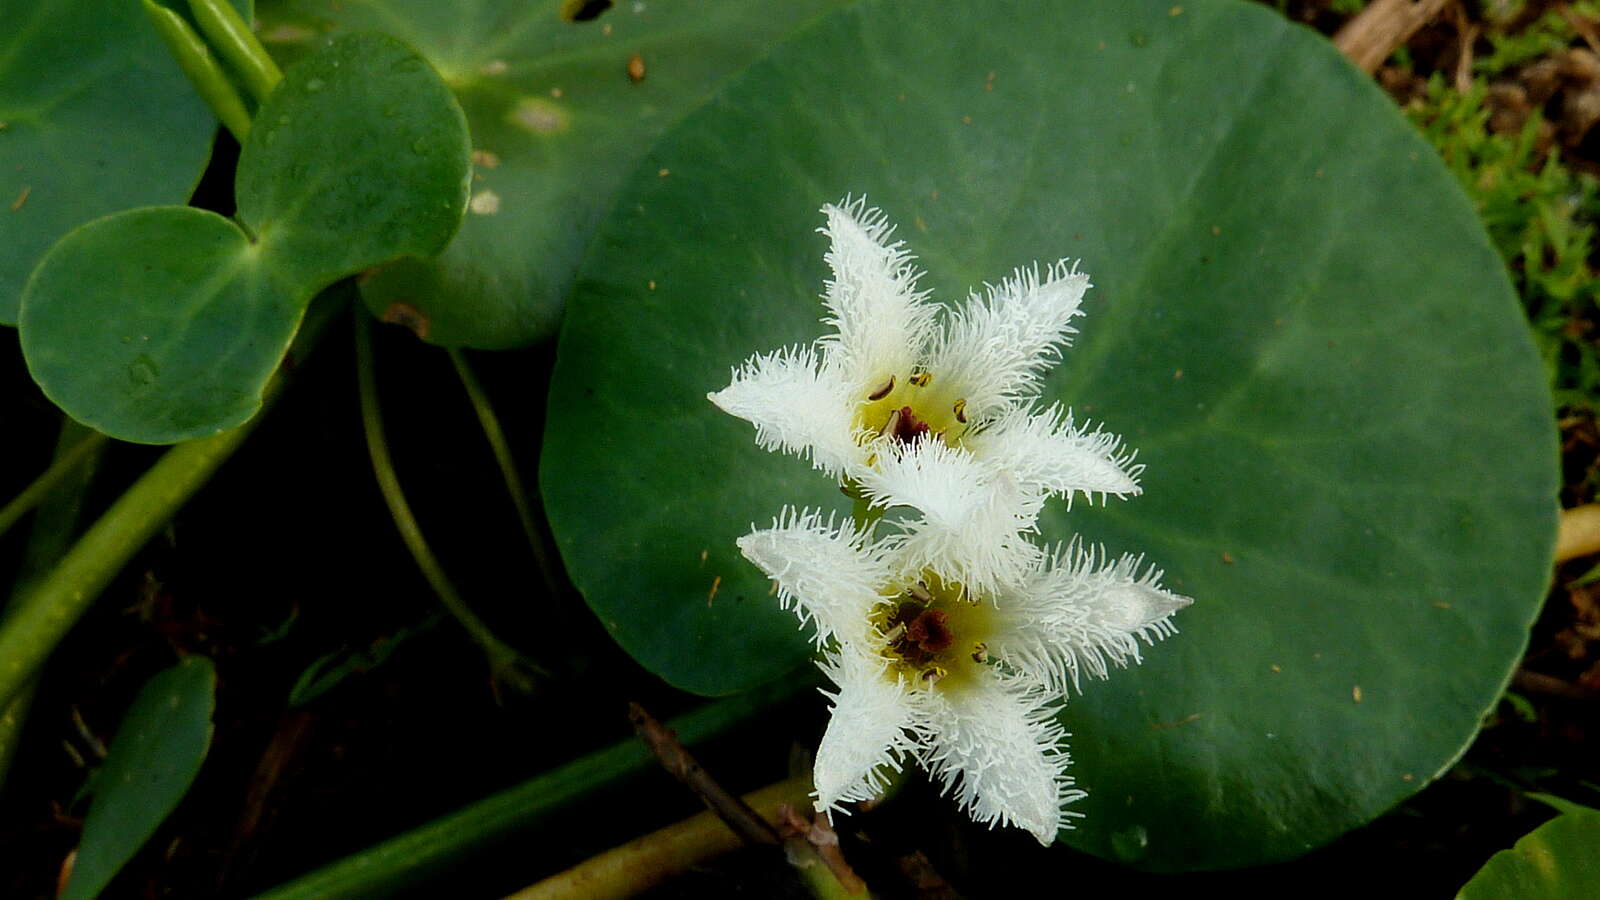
point(1297, 321)
point(153, 759)
point(557, 122)
point(1559, 860)
point(165, 323)
point(95, 117)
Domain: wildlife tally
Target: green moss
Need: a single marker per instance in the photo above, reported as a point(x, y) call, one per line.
point(1541, 215)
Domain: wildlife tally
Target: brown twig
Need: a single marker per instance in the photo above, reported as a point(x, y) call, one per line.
point(675, 758)
point(816, 838)
point(1551, 686)
point(1383, 26)
point(1467, 33)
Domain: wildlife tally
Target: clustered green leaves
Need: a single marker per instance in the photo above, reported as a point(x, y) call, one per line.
point(1297, 317)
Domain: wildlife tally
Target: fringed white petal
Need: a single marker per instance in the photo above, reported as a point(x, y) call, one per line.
point(883, 321)
point(996, 348)
point(797, 405)
point(1058, 455)
point(871, 733)
point(998, 748)
point(971, 521)
point(1082, 612)
point(826, 570)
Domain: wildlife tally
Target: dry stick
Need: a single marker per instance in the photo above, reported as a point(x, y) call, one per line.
point(1579, 534)
point(675, 758)
point(1383, 26)
point(811, 847)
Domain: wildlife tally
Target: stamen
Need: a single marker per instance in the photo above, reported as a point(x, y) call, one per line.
point(922, 379)
point(891, 426)
point(980, 652)
point(919, 593)
point(934, 674)
point(895, 633)
point(961, 410)
point(882, 392)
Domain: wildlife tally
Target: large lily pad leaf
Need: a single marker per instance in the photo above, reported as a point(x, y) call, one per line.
point(95, 117)
point(557, 120)
point(165, 323)
point(1297, 320)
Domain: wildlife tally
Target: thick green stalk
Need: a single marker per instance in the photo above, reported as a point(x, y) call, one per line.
point(232, 37)
point(67, 461)
point(402, 862)
point(508, 470)
point(505, 663)
point(53, 529)
point(56, 601)
point(204, 72)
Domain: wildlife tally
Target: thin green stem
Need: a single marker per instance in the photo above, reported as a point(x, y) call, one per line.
point(65, 464)
point(508, 470)
point(232, 37)
point(52, 534)
point(404, 862)
point(204, 72)
point(506, 663)
point(56, 601)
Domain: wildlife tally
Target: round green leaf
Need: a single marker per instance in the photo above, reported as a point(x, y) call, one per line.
point(152, 761)
point(94, 117)
point(1296, 319)
point(165, 323)
point(557, 122)
point(1559, 860)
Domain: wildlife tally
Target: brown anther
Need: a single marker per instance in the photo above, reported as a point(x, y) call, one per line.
point(933, 674)
point(980, 652)
point(919, 593)
point(961, 411)
point(891, 426)
point(882, 392)
point(922, 379)
point(895, 633)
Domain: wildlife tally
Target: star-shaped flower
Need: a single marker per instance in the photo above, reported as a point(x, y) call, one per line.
point(966, 683)
point(932, 408)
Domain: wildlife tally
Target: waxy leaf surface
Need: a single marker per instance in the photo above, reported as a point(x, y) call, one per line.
point(557, 121)
point(95, 117)
point(165, 323)
point(1297, 320)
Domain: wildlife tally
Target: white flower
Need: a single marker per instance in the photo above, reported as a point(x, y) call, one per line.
point(932, 408)
point(966, 683)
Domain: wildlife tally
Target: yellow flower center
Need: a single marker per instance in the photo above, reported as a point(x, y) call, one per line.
point(934, 632)
point(907, 407)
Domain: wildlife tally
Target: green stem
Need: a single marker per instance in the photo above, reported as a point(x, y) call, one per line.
point(52, 533)
point(51, 605)
point(401, 863)
point(204, 72)
point(232, 37)
point(655, 858)
point(508, 470)
point(505, 662)
point(64, 465)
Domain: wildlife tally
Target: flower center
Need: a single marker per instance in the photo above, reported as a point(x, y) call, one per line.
point(905, 409)
point(933, 632)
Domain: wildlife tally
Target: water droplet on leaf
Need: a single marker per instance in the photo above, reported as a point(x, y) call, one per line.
point(143, 371)
point(315, 84)
point(1130, 844)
